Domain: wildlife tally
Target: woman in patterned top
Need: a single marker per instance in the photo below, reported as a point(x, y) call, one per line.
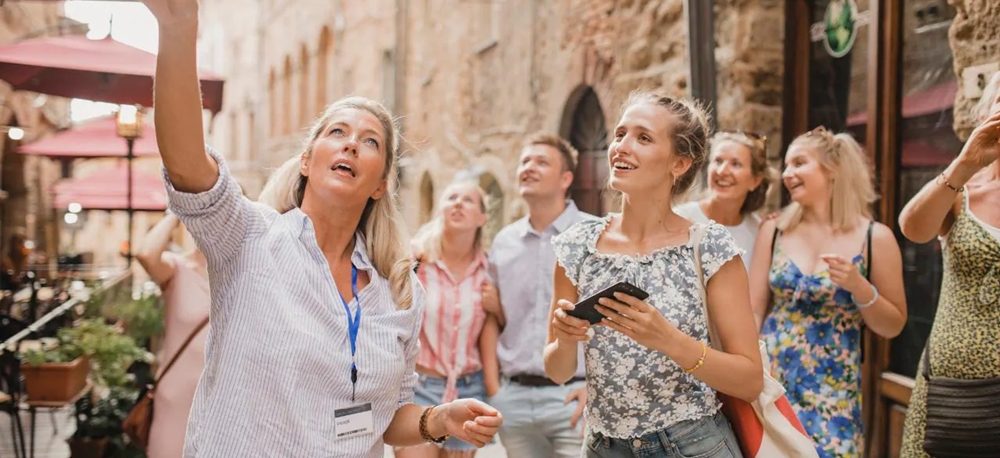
point(452, 267)
point(962, 208)
point(315, 310)
point(652, 377)
point(812, 286)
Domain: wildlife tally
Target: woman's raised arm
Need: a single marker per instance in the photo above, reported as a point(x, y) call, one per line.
point(177, 98)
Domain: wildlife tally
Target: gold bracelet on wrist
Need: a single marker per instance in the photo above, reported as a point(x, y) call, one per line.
point(424, 434)
point(701, 361)
point(942, 180)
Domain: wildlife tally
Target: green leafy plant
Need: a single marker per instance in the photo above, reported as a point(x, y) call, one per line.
point(142, 317)
point(110, 351)
point(64, 350)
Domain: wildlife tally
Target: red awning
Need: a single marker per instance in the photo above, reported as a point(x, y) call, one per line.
point(93, 138)
point(106, 188)
point(918, 153)
point(929, 101)
point(103, 70)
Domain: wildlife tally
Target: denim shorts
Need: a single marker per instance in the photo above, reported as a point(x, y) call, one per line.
point(706, 437)
point(430, 390)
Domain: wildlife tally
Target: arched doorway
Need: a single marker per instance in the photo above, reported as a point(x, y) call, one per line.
point(494, 205)
point(584, 126)
point(426, 198)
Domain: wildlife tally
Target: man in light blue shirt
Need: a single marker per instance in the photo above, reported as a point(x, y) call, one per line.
point(541, 418)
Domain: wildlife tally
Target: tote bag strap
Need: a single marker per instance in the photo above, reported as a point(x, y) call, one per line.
point(177, 354)
point(699, 233)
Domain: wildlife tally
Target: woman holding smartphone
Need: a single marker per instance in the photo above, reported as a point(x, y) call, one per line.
point(652, 376)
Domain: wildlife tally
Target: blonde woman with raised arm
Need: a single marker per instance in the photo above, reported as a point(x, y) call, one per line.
point(315, 309)
point(961, 207)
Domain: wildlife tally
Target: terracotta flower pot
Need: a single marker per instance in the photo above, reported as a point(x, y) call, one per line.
point(55, 382)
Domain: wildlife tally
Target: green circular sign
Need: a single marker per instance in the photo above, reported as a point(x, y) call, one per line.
point(840, 27)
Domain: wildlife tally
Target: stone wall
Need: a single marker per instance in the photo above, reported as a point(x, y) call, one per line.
point(470, 78)
point(975, 40)
point(528, 74)
point(750, 68)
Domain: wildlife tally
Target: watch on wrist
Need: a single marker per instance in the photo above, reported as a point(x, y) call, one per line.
point(424, 434)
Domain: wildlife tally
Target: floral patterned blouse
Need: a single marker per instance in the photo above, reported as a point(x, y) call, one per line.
point(631, 390)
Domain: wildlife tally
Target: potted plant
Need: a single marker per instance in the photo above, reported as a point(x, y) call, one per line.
point(111, 354)
point(55, 373)
point(91, 347)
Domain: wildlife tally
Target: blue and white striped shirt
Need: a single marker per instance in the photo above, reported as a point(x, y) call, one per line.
point(278, 356)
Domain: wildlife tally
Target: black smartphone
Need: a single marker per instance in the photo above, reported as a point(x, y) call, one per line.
point(587, 308)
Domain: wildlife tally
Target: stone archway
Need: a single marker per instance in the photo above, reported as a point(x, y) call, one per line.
point(584, 126)
point(494, 205)
point(426, 198)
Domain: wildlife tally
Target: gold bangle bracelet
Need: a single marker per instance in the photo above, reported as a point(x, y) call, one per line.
point(701, 361)
point(942, 180)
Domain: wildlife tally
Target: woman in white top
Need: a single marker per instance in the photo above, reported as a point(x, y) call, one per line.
point(652, 378)
point(739, 180)
point(315, 309)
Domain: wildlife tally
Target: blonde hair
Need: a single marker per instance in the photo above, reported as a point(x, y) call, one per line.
point(688, 136)
point(382, 227)
point(757, 145)
point(427, 243)
point(853, 190)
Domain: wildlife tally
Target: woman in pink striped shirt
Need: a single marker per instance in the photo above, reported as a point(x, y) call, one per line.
point(453, 269)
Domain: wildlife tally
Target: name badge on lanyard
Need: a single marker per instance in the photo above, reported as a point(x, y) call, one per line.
point(354, 421)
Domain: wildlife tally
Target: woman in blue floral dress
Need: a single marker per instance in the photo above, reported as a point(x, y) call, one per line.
point(811, 291)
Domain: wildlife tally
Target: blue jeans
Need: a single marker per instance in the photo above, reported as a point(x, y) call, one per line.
point(706, 437)
point(536, 421)
point(430, 390)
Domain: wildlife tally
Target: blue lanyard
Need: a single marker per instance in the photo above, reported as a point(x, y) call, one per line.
point(353, 326)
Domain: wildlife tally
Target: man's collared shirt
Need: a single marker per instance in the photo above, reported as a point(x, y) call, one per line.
point(522, 264)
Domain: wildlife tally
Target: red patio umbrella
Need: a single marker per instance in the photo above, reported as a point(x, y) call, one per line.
point(106, 189)
point(104, 70)
point(91, 139)
point(98, 138)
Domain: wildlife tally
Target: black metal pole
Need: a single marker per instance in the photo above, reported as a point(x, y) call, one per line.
point(701, 49)
point(128, 205)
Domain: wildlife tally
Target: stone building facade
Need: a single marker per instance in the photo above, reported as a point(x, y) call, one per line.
point(25, 201)
point(470, 78)
point(975, 40)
